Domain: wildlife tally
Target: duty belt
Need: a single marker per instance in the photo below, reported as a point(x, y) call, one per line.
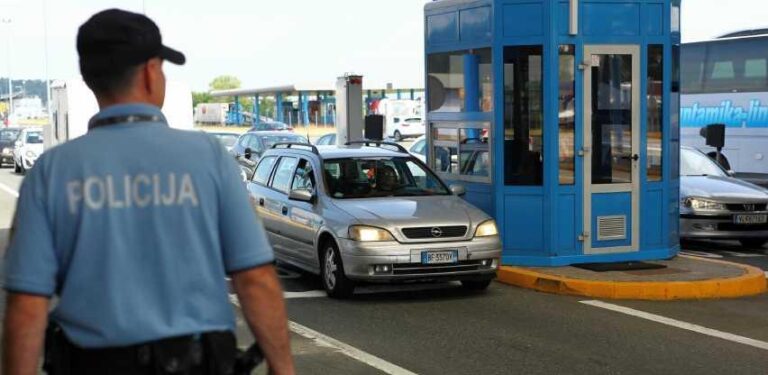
point(127, 119)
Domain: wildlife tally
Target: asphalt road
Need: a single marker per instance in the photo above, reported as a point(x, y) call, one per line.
point(442, 329)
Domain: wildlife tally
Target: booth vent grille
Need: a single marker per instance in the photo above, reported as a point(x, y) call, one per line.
point(611, 228)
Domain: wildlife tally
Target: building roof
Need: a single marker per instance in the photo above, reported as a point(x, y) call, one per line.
point(310, 87)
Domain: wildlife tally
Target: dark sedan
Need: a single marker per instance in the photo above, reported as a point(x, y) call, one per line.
point(8, 137)
point(249, 147)
point(714, 205)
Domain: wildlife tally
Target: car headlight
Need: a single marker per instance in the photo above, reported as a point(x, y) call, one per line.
point(487, 229)
point(698, 204)
point(31, 154)
point(7, 151)
point(369, 234)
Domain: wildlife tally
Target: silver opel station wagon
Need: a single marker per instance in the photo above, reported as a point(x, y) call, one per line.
point(370, 212)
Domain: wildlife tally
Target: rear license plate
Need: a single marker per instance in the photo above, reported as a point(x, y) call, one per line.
point(439, 257)
point(750, 219)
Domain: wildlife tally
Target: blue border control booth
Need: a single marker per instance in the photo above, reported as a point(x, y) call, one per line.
point(560, 117)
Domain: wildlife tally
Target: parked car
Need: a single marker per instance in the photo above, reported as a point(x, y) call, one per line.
point(370, 214)
point(419, 148)
point(8, 137)
point(714, 205)
point(228, 140)
point(326, 140)
point(406, 128)
point(271, 126)
point(249, 147)
point(27, 149)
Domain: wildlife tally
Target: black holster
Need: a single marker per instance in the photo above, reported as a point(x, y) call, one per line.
point(213, 353)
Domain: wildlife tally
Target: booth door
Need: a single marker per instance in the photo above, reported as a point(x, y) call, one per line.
point(611, 149)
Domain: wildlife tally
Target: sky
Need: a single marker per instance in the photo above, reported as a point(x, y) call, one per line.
point(276, 42)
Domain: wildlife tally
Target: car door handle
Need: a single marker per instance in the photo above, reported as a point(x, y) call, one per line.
point(634, 157)
point(261, 202)
point(285, 210)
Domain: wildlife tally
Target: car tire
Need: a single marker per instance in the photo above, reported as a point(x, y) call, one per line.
point(335, 281)
point(754, 243)
point(476, 284)
point(16, 168)
point(398, 137)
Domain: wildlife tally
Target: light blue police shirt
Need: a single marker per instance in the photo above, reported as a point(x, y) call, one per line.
point(134, 227)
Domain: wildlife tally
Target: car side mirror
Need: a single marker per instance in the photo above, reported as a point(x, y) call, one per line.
point(459, 190)
point(248, 153)
point(302, 195)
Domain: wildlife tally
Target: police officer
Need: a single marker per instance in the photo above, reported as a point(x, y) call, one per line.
point(134, 227)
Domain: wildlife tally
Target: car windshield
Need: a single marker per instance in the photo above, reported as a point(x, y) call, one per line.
point(9, 134)
point(35, 137)
point(228, 140)
point(694, 163)
point(269, 140)
point(380, 177)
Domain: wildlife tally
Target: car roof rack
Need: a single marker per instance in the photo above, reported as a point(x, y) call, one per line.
point(294, 144)
point(399, 147)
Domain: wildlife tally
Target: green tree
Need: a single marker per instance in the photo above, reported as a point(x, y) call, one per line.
point(201, 97)
point(225, 82)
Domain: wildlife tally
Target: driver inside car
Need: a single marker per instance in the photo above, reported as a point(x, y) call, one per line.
point(386, 179)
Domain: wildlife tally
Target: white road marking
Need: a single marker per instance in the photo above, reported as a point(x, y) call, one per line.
point(680, 324)
point(9, 190)
point(308, 294)
point(701, 254)
point(743, 255)
point(346, 349)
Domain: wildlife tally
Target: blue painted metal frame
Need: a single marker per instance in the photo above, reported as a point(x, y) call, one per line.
point(454, 25)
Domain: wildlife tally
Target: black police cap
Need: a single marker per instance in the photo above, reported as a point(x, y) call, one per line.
point(114, 39)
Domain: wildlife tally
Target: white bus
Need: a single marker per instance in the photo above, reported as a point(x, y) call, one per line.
point(725, 81)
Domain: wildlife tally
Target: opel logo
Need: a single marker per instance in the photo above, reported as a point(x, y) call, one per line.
point(749, 207)
point(436, 232)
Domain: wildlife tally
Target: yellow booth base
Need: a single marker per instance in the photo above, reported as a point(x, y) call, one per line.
point(683, 278)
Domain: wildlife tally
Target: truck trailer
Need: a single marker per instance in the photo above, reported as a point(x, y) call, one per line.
point(211, 113)
point(73, 104)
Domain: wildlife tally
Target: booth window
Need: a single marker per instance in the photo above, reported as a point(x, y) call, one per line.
point(567, 114)
point(461, 151)
point(523, 116)
point(655, 116)
point(674, 118)
point(448, 75)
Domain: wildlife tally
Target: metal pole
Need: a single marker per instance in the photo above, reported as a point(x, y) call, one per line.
point(7, 22)
point(45, 57)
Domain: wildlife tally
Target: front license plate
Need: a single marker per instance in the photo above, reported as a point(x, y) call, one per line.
point(439, 257)
point(750, 219)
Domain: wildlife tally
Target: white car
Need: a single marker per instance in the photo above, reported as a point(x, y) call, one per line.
point(409, 127)
point(27, 149)
point(419, 149)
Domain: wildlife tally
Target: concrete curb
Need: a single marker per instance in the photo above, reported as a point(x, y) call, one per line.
point(752, 282)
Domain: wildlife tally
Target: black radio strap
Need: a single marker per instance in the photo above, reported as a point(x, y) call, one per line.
point(127, 119)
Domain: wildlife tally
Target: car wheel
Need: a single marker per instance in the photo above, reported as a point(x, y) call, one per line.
point(335, 282)
point(398, 136)
point(754, 243)
point(16, 167)
point(476, 284)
